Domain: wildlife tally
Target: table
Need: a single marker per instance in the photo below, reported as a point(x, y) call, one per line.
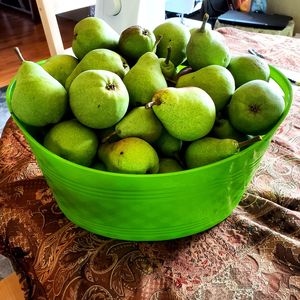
point(253, 254)
point(287, 31)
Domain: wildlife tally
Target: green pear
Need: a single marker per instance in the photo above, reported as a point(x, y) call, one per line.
point(135, 41)
point(193, 29)
point(224, 130)
point(245, 68)
point(144, 79)
point(72, 141)
point(98, 98)
point(174, 35)
point(139, 122)
point(130, 155)
point(168, 165)
point(93, 33)
point(100, 59)
point(216, 80)
point(38, 98)
point(168, 145)
point(206, 47)
point(167, 67)
point(255, 107)
point(60, 66)
point(209, 149)
point(187, 113)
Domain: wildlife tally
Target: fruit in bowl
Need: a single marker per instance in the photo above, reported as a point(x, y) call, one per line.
point(146, 99)
point(38, 99)
point(141, 100)
point(144, 181)
point(255, 107)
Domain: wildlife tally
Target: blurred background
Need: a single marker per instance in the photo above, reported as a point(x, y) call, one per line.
point(21, 26)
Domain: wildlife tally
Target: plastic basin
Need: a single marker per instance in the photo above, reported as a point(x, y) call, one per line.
point(154, 206)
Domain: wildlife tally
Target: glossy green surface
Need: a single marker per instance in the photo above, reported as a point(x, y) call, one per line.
point(152, 207)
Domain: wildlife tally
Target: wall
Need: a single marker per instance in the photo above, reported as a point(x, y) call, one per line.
point(286, 7)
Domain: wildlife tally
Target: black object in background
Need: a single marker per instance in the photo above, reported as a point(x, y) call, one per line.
point(214, 8)
point(256, 20)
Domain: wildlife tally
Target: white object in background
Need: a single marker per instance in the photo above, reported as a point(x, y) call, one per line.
point(189, 23)
point(120, 14)
point(112, 8)
point(180, 6)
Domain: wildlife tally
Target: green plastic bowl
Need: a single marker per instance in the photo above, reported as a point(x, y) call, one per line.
point(151, 207)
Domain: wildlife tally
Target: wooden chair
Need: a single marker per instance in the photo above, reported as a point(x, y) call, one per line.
point(48, 10)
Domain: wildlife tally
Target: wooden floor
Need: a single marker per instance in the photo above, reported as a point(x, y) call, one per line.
point(17, 29)
point(10, 288)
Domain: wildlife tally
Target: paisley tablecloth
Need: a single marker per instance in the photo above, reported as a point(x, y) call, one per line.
point(253, 254)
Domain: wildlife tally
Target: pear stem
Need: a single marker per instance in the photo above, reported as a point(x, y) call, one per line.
point(250, 141)
point(150, 104)
point(167, 60)
point(204, 21)
point(156, 43)
point(20, 56)
point(107, 138)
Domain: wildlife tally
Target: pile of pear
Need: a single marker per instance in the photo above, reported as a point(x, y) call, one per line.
point(144, 101)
